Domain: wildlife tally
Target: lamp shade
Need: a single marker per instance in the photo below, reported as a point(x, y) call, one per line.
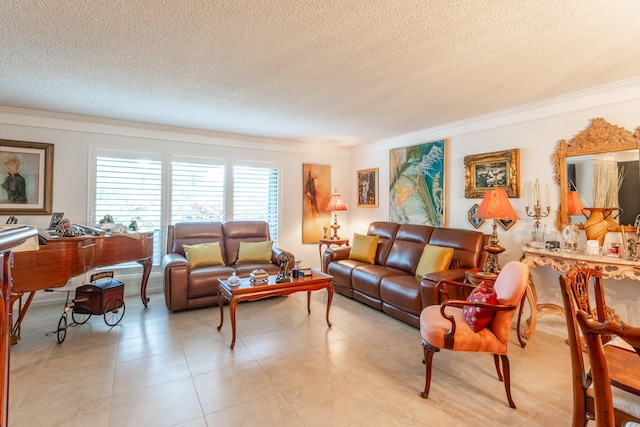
point(574, 204)
point(495, 205)
point(335, 203)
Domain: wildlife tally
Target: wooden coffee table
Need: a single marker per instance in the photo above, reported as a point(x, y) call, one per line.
point(247, 291)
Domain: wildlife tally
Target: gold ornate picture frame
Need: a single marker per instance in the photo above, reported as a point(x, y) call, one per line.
point(27, 182)
point(499, 169)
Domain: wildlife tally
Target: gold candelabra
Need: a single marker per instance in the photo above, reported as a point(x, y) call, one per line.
point(537, 212)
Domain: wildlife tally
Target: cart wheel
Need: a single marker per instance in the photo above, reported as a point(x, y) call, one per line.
point(113, 311)
point(62, 328)
point(80, 318)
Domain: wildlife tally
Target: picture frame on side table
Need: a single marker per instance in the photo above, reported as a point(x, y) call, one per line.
point(56, 217)
point(499, 169)
point(476, 222)
point(367, 182)
point(26, 185)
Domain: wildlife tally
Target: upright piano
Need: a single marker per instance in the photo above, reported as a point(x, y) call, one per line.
point(60, 258)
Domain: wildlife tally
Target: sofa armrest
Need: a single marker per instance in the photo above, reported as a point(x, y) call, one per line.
point(334, 254)
point(429, 293)
point(175, 278)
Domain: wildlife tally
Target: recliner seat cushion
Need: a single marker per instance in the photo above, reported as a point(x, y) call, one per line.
point(204, 281)
point(402, 292)
point(366, 278)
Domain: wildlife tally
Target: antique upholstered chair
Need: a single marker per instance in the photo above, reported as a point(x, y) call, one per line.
point(454, 325)
point(625, 406)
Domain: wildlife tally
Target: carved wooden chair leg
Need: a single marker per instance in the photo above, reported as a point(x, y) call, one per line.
point(429, 351)
point(496, 359)
point(507, 379)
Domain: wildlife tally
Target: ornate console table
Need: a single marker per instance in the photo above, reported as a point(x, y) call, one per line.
point(612, 268)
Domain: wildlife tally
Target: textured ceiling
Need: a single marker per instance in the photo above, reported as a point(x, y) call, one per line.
point(341, 72)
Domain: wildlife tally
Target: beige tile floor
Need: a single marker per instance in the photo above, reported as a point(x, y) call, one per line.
point(158, 368)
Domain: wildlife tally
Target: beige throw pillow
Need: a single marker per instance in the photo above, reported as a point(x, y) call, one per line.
point(203, 254)
point(255, 252)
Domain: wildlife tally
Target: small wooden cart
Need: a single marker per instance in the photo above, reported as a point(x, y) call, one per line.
point(104, 296)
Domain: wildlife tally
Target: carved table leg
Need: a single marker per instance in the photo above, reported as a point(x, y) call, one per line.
point(329, 299)
point(146, 270)
point(232, 314)
point(221, 306)
point(308, 302)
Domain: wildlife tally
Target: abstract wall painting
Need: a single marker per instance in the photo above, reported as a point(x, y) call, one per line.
point(417, 184)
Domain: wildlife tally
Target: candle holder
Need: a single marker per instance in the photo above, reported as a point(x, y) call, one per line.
point(537, 212)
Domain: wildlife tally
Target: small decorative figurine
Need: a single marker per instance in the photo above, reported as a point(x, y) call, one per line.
point(325, 232)
point(283, 275)
point(632, 250)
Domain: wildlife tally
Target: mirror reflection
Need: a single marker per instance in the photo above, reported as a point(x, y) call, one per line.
point(606, 179)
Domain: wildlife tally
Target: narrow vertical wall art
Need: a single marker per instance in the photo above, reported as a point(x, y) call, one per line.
point(316, 188)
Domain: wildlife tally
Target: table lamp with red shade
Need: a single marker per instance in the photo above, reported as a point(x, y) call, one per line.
point(495, 206)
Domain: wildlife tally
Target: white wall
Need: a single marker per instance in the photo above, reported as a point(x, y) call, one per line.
point(74, 138)
point(535, 130)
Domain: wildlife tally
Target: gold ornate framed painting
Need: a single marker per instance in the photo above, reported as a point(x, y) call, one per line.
point(368, 188)
point(499, 169)
point(27, 183)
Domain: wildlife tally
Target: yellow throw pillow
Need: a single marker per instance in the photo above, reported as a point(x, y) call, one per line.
point(434, 258)
point(255, 252)
point(364, 248)
point(203, 254)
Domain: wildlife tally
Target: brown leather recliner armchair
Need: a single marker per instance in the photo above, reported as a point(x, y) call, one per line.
point(193, 288)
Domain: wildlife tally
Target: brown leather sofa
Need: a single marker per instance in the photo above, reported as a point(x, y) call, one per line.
point(192, 288)
point(390, 284)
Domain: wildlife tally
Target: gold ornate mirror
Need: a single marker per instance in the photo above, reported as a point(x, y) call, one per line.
point(579, 165)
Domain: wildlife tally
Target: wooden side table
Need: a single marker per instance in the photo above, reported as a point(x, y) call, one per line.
point(475, 276)
point(329, 242)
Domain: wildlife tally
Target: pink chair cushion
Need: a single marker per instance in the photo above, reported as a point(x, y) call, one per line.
point(479, 318)
point(509, 286)
point(433, 327)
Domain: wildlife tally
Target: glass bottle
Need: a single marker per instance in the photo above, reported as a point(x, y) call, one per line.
point(234, 279)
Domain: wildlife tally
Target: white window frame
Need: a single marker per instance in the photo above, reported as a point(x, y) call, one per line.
point(166, 168)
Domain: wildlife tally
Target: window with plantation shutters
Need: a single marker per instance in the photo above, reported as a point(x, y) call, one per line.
point(130, 189)
point(164, 190)
point(255, 195)
point(197, 192)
